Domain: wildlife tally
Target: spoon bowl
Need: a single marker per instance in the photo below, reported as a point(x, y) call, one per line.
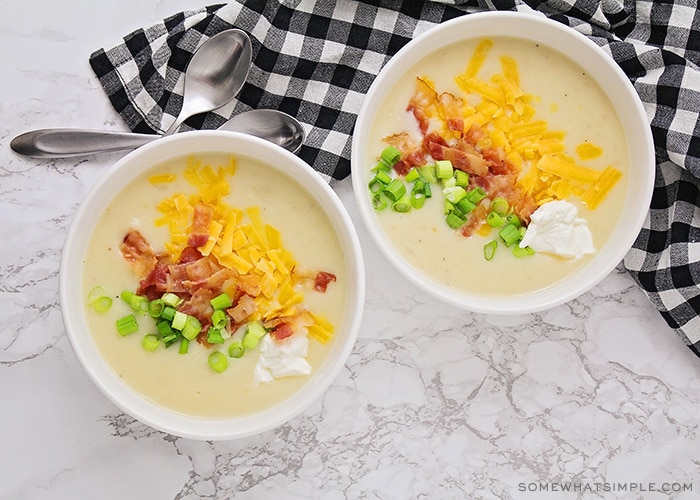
point(270, 124)
point(215, 74)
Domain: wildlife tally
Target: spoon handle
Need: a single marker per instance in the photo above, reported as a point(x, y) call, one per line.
point(67, 142)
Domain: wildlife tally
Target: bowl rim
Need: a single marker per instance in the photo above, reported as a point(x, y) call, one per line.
point(72, 307)
point(536, 27)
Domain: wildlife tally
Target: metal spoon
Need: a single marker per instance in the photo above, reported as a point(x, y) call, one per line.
point(270, 124)
point(215, 74)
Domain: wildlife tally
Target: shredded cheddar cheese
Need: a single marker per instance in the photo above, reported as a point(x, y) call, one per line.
point(161, 178)
point(506, 114)
point(239, 240)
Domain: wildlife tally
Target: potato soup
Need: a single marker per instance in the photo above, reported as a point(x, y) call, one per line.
point(262, 204)
point(564, 106)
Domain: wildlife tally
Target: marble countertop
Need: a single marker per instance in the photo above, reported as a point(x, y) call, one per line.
point(598, 394)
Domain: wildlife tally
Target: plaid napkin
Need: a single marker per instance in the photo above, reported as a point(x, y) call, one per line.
point(316, 59)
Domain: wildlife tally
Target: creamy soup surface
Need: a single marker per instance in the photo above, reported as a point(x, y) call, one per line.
point(185, 383)
point(569, 100)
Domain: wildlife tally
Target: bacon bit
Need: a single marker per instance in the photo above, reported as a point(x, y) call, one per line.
point(322, 280)
point(451, 113)
point(402, 141)
point(198, 305)
point(177, 274)
point(201, 270)
point(412, 153)
point(476, 219)
point(462, 155)
point(243, 309)
point(138, 253)
point(402, 167)
point(474, 134)
point(198, 240)
point(153, 285)
point(223, 279)
point(282, 331)
point(249, 284)
point(200, 225)
point(189, 254)
point(455, 124)
point(423, 103)
point(505, 186)
point(496, 161)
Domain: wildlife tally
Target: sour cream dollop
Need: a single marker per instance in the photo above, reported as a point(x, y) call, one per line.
point(555, 228)
point(282, 358)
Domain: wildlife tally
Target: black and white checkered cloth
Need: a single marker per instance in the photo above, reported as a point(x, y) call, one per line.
point(316, 60)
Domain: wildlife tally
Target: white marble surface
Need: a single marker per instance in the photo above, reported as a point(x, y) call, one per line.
point(433, 402)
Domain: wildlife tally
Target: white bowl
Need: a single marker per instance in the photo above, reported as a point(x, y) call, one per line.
point(73, 301)
point(609, 77)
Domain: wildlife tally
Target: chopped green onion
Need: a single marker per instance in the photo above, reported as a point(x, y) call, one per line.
point(150, 342)
point(98, 300)
point(514, 220)
point(383, 177)
point(218, 362)
point(522, 252)
point(95, 293)
point(500, 206)
point(476, 195)
point(184, 346)
point(417, 199)
point(454, 194)
point(191, 328)
point(127, 325)
point(126, 296)
point(449, 207)
point(170, 339)
point(375, 185)
point(102, 304)
point(395, 190)
point(461, 178)
point(168, 313)
point(443, 169)
point(179, 320)
point(509, 234)
point(454, 220)
point(490, 249)
point(138, 303)
point(170, 299)
point(494, 220)
point(427, 172)
point(155, 308)
point(381, 166)
point(402, 205)
point(390, 155)
point(379, 201)
point(412, 175)
point(253, 334)
point(250, 341)
point(427, 190)
point(214, 335)
point(450, 182)
point(464, 206)
point(256, 329)
point(223, 301)
point(164, 328)
point(218, 319)
point(236, 349)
